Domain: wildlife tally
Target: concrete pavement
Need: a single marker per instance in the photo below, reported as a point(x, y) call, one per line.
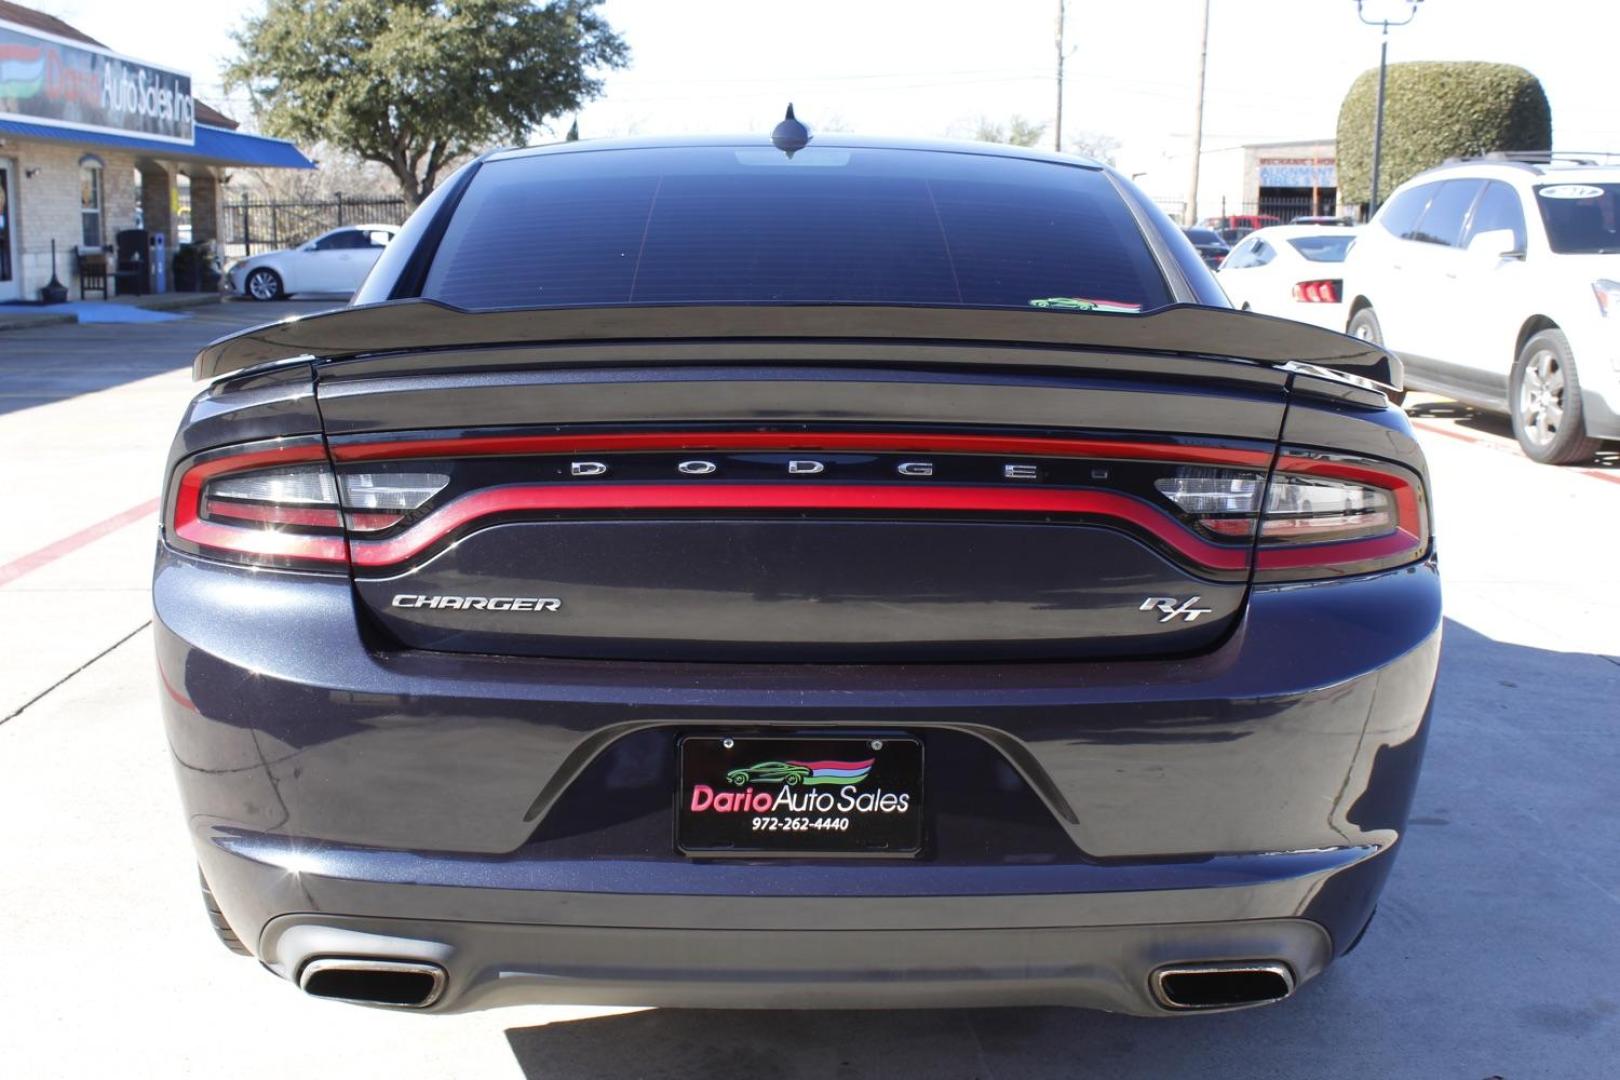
point(86, 415)
point(1493, 953)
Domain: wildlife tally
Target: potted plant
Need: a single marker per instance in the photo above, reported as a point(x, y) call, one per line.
point(196, 267)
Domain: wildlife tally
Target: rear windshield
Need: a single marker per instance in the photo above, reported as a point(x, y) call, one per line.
point(726, 225)
point(1323, 248)
point(1202, 236)
point(1581, 218)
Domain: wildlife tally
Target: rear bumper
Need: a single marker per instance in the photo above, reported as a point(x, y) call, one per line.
point(1244, 804)
point(496, 964)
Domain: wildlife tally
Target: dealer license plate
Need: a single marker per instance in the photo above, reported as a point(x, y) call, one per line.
point(799, 796)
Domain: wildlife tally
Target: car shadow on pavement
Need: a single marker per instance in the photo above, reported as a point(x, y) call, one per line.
point(41, 365)
point(1492, 953)
point(1498, 427)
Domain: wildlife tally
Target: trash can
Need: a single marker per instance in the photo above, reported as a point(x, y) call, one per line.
point(160, 264)
point(133, 271)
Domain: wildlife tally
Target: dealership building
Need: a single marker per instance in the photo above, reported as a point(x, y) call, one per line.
point(1282, 179)
point(94, 146)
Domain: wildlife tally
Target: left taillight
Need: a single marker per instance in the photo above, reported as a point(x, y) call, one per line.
point(272, 503)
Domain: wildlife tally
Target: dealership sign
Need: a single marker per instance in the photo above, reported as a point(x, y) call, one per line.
point(45, 79)
point(1299, 172)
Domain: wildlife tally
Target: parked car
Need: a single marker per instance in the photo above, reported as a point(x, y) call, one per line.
point(1234, 227)
point(1498, 282)
point(1099, 633)
point(1320, 219)
point(1211, 248)
point(334, 262)
point(1291, 270)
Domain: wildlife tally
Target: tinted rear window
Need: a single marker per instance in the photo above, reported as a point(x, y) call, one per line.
point(1581, 217)
point(1323, 248)
point(750, 226)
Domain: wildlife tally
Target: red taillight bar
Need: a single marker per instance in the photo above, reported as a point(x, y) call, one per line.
point(876, 441)
point(774, 496)
point(1408, 540)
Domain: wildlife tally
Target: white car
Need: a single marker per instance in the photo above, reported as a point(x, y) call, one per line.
point(1497, 281)
point(334, 262)
point(1294, 271)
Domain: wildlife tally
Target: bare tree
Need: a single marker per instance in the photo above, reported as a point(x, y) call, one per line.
point(1016, 132)
point(1095, 145)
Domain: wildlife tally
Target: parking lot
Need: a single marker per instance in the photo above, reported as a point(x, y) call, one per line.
point(1493, 954)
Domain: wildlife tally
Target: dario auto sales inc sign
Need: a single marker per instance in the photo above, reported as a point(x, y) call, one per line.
point(45, 79)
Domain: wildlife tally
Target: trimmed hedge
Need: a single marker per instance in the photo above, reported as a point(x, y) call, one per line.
point(1434, 111)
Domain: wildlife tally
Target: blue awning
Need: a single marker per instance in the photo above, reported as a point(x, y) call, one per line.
point(214, 146)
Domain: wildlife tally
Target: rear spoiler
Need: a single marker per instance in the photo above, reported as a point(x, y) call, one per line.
point(409, 325)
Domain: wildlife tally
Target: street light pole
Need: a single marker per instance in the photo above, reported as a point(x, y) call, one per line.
point(1383, 77)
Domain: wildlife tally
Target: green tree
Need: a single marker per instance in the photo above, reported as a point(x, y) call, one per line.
point(415, 85)
point(1016, 132)
point(1434, 111)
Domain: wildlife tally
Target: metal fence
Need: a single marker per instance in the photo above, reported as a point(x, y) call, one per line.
point(263, 225)
point(1287, 208)
point(1284, 208)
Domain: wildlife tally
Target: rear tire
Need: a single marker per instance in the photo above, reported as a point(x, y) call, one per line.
point(1544, 397)
point(1365, 326)
point(264, 284)
point(216, 918)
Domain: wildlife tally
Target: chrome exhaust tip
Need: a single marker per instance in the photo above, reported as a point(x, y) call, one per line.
point(399, 984)
point(1238, 985)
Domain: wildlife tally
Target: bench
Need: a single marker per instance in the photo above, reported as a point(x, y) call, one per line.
point(95, 268)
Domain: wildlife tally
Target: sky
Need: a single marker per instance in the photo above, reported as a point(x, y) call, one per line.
point(1277, 69)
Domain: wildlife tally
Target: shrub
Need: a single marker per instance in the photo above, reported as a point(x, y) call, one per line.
point(1434, 111)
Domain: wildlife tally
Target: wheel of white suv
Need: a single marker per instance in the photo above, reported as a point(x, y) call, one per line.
point(1364, 325)
point(264, 284)
point(1545, 398)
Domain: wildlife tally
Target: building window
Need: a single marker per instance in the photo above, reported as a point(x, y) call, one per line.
point(90, 201)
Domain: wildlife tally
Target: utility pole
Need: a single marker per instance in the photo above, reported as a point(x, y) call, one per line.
point(1191, 213)
point(1062, 55)
point(1383, 75)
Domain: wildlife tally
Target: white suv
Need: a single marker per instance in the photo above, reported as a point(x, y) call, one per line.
point(1498, 283)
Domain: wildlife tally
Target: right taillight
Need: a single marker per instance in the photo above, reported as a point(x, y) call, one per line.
point(1330, 515)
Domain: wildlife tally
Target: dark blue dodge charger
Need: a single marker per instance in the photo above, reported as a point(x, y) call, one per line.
point(729, 572)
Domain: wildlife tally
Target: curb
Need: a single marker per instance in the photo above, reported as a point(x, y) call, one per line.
point(157, 302)
point(12, 322)
point(175, 301)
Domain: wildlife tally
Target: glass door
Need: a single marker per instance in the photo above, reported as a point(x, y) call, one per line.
point(10, 286)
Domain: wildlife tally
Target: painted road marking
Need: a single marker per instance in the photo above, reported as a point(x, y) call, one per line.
point(51, 552)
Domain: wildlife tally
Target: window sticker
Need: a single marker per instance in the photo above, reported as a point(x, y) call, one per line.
point(1082, 303)
point(1570, 191)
